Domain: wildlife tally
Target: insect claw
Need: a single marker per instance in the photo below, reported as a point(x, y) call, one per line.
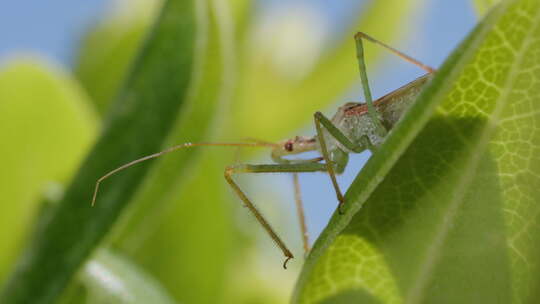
point(340, 207)
point(286, 260)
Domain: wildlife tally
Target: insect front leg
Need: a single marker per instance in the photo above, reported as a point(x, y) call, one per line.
point(366, 142)
point(272, 168)
point(297, 195)
point(320, 122)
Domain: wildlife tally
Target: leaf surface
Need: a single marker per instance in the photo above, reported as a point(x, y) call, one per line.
point(483, 6)
point(447, 210)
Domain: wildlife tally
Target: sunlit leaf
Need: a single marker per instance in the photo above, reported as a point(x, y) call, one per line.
point(482, 6)
point(447, 210)
point(112, 278)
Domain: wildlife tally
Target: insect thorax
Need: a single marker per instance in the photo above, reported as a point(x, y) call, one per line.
point(354, 127)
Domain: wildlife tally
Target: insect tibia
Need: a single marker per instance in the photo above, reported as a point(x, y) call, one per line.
point(360, 35)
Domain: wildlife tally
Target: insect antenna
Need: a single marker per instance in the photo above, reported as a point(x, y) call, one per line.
point(172, 149)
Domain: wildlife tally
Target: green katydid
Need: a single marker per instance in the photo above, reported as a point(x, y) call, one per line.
point(355, 127)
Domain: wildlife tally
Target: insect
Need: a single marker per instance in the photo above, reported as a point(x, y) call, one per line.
point(354, 128)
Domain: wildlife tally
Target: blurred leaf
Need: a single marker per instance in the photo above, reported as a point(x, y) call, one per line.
point(138, 125)
point(151, 232)
point(39, 153)
point(266, 97)
point(111, 278)
point(108, 49)
point(200, 223)
point(193, 238)
point(449, 204)
point(242, 12)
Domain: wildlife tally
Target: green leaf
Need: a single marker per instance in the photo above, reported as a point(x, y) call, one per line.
point(188, 258)
point(138, 125)
point(483, 6)
point(447, 210)
point(40, 153)
point(111, 278)
point(193, 266)
point(108, 49)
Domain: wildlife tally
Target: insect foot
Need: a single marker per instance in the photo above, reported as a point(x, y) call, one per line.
point(287, 260)
point(341, 200)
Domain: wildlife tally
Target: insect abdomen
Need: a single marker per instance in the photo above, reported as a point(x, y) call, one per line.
point(354, 121)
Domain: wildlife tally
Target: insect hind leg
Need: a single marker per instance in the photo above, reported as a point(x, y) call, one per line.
point(381, 130)
point(425, 67)
point(372, 112)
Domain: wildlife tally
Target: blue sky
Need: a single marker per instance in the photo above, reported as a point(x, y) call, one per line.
point(49, 28)
point(53, 30)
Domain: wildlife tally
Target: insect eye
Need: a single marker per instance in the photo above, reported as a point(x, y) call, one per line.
point(288, 146)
